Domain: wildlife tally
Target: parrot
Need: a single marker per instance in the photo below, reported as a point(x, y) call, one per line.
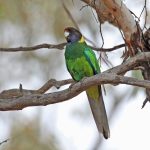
point(81, 62)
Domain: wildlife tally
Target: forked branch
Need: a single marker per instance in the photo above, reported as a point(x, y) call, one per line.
point(21, 98)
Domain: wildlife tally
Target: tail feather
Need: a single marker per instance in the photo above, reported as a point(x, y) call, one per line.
point(99, 111)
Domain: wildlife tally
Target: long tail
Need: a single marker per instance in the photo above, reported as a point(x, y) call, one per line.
point(98, 110)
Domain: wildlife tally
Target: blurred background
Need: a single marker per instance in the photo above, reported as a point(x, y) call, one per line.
point(68, 125)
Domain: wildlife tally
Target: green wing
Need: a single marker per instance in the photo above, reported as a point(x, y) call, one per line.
point(91, 58)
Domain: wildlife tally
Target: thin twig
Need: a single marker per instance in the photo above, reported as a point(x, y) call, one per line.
point(138, 18)
point(144, 103)
point(70, 16)
point(55, 46)
point(2, 142)
point(108, 49)
point(84, 6)
point(36, 47)
point(146, 14)
point(53, 82)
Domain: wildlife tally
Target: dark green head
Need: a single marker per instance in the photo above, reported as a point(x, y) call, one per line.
point(72, 35)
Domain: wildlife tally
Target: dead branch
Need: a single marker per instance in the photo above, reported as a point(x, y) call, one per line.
point(146, 14)
point(35, 98)
point(53, 82)
point(56, 97)
point(55, 46)
point(5, 141)
point(108, 49)
point(33, 48)
point(14, 93)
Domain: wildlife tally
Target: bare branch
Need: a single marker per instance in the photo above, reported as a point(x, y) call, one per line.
point(108, 49)
point(53, 82)
point(75, 89)
point(146, 14)
point(130, 64)
point(116, 13)
point(32, 98)
point(14, 93)
point(55, 46)
point(32, 48)
point(2, 142)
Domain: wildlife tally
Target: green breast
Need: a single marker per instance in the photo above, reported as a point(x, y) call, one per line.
point(76, 62)
point(74, 50)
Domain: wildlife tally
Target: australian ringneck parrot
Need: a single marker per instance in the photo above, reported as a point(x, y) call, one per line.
point(81, 62)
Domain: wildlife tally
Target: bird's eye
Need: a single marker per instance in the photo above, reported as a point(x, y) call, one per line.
point(66, 33)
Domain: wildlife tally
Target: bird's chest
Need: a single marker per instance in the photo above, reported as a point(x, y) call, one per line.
point(73, 51)
point(76, 62)
point(78, 67)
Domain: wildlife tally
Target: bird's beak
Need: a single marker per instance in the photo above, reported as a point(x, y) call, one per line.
point(66, 34)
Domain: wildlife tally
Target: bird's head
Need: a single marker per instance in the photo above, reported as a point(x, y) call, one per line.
point(73, 35)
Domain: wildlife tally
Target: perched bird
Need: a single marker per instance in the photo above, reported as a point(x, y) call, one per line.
point(81, 62)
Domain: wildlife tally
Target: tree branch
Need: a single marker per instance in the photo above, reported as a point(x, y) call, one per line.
point(74, 90)
point(116, 13)
point(33, 48)
point(4, 141)
point(14, 93)
point(35, 98)
point(55, 46)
